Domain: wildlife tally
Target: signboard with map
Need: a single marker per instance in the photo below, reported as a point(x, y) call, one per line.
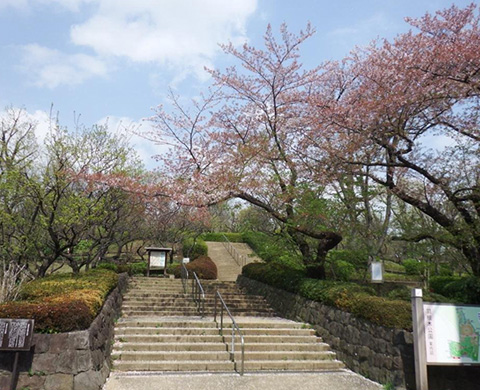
point(452, 334)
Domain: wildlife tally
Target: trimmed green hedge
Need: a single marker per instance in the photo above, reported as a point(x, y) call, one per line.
point(354, 298)
point(62, 302)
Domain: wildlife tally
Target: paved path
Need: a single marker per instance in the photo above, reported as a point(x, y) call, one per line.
point(345, 380)
point(228, 269)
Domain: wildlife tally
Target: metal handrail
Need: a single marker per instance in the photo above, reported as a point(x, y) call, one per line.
point(198, 294)
point(241, 260)
point(184, 275)
point(235, 329)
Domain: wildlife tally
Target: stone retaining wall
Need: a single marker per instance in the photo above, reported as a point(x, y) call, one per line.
point(69, 361)
point(382, 354)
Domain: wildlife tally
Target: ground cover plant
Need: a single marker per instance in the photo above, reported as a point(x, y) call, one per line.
point(62, 302)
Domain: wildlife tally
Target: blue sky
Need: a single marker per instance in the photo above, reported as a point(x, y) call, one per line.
point(116, 59)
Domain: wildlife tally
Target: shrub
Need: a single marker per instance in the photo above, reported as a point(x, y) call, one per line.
point(414, 267)
point(63, 302)
point(464, 290)
point(203, 266)
point(352, 297)
point(110, 266)
point(343, 270)
point(194, 248)
point(138, 268)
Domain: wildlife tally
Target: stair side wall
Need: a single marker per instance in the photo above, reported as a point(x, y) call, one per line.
point(69, 361)
point(382, 354)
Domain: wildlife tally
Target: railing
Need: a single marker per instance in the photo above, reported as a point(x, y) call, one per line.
point(241, 260)
point(235, 329)
point(184, 275)
point(198, 294)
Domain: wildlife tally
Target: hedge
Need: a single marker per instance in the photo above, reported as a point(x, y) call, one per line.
point(461, 289)
point(203, 266)
point(194, 248)
point(62, 302)
point(354, 298)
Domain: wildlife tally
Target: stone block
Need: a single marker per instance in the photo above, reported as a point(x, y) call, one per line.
point(45, 362)
point(32, 382)
point(41, 342)
point(58, 342)
point(66, 362)
point(79, 340)
point(89, 380)
point(84, 361)
point(59, 382)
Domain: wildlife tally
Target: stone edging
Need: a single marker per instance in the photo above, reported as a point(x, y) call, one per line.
point(70, 361)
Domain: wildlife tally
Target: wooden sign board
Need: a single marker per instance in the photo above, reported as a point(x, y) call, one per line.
point(17, 334)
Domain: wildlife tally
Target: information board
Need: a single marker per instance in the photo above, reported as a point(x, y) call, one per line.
point(452, 334)
point(376, 270)
point(158, 259)
point(16, 334)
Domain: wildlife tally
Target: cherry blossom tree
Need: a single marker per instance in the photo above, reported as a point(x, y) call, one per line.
point(243, 141)
point(407, 114)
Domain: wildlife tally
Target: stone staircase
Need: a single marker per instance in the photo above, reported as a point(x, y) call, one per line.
point(161, 330)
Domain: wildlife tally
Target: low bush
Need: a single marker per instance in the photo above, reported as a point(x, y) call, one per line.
point(461, 289)
point(109, 266)
point(138, 268)
point(62, 302)
point(203, 266)
point(220, 237)
point(194, 248)
point(354, 298)
point(414, 267)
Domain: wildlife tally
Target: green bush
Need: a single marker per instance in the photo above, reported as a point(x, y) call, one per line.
point(62, 302)
point(393, 267)
point(352, 297)
point(194, 248)
point(463, 290)
point(219, 237)
point(342, 270)
point(273, 249)
point(414, 267)
point(203, 266)
point(109, 266)
point(138, 268)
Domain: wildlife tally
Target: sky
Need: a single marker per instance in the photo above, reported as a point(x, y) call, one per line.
point(92, 61)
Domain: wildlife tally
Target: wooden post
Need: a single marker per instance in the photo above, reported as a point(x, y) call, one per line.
point(421, 378)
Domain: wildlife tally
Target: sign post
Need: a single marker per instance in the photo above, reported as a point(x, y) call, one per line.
point(421, 378)
point(157, 258)
point(16, 336)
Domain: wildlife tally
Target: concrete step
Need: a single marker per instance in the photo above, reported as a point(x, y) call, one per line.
point(293, 365)
point(194, 346)
point(160, 323)
point(208, 365)
point(286, 355)
point(169, 339)
point(317, 347)
point(166, 331)
point(171, 356)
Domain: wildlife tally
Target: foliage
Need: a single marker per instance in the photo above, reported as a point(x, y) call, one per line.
point(62, 302)
point(136, 268)
point(194, 248)
point(351, 297)
point(273, 248)
point(203, 266)
point(462, 289)
point(414, 267)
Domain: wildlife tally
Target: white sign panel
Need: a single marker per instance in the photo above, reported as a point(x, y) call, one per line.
point(186, 260)
point(452, 333)
point(157, 259)
point(377, 272)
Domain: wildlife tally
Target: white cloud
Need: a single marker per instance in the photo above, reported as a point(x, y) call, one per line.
point(145, 149)
point(26, 5)
point(51, 68)
point(183, 34)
